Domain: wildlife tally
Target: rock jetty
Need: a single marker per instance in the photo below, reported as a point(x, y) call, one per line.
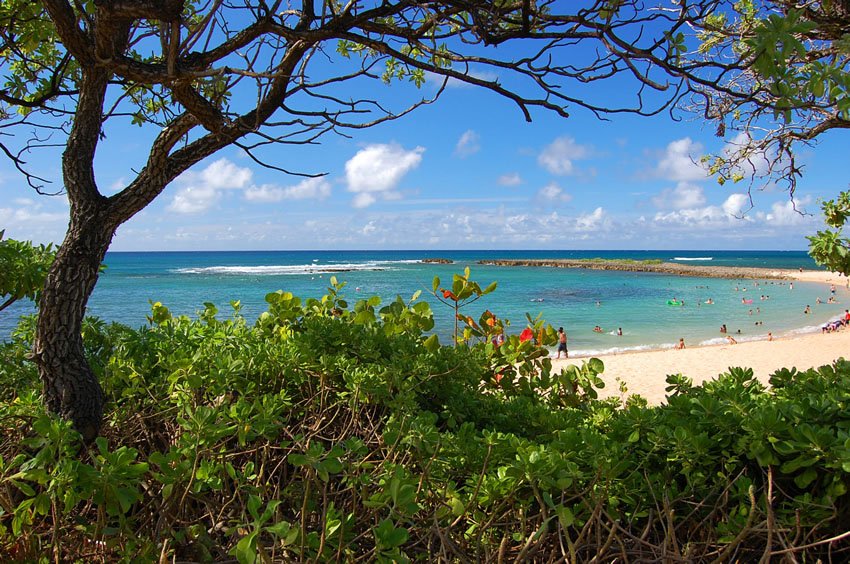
point(438, 261)
point(659, 267)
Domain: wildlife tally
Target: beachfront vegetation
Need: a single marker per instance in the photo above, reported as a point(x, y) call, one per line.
point(23, 268)
point(203, 77)
point(621, 261)
point(335, 432)
point(830, 248)
point(75, 69)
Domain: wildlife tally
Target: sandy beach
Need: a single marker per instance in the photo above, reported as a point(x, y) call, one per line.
point(644, 373)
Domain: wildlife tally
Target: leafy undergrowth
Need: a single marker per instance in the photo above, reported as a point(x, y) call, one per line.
point(329, 433)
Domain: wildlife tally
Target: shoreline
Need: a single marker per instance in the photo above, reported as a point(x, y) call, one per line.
point(644, 372)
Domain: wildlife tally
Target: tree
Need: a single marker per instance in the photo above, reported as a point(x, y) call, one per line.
point(23, 268)
point(775, 73)
point(205, 76)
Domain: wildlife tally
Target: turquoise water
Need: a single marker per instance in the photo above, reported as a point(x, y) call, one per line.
point(635, 302)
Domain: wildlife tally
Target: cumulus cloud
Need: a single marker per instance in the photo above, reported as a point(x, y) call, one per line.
point(376, 170)
point(736, 205)
point(684, 195)
point(200, 191)
point(591, 221)
point(468, 144)
point(552, 193)
point(678, 162)
point(309, 188)
point(731, 211)
point(28, 220)
point(788, 213)
point(559, 156)
point(510, 179)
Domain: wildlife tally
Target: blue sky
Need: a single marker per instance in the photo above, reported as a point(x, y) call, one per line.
point(464, 173)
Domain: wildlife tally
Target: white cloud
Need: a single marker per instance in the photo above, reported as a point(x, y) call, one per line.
point(202, 190)
point(559, 156)
point(308, 189)
point(31, 222)
point(684, 195)
point(730, 212)
point(222, 174)
point(510, 179)
point(751, 161)
point(592, 221)
point(678, 162)
point(787, 213)
point(736, 205)
point(377, 170)
point(363, 200)
point(194, 199)
point(552, 193)
point(693, 217)
point(468, 144)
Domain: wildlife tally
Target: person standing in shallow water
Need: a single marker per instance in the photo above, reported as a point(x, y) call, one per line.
point(562, 343)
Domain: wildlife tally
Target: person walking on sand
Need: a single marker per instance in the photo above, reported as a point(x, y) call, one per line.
point(562, 343)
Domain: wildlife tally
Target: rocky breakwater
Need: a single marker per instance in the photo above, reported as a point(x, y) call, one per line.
point(649, 266)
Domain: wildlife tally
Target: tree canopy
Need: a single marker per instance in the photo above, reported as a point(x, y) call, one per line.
point(774, 76)
point(23, 268)
point(260, 75)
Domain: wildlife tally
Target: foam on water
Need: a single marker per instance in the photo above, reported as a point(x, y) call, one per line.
point(584, 353)
point(693, 258)
point(293, 269)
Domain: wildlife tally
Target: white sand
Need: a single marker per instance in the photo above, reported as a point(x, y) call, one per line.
point(644, 373)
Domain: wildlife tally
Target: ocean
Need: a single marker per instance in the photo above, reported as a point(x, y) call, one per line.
point(576, 299)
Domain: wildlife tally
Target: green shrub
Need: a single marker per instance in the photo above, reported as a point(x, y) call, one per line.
point(328, 432)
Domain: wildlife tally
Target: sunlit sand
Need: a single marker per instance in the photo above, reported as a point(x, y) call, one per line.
point(644, 373)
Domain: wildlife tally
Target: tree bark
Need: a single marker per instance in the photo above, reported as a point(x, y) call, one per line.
point(71, 389)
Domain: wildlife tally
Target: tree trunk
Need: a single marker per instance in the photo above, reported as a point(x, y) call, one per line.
point(71, 389)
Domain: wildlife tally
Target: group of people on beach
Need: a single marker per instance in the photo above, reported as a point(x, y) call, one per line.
point(843, 321)
point(833, 326)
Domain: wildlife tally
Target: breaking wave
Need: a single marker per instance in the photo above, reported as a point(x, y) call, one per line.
point(693, 258)
point(295, 269)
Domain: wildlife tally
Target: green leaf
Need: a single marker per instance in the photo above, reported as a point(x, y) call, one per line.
point(297, 459)
point(246, 549)
point(432, 343)
point(806, 478)
point(565, 516)
point(390, 536)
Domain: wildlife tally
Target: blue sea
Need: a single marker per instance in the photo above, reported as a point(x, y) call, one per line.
point(576, 299)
